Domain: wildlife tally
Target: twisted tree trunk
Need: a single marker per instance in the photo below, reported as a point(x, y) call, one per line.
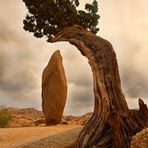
point(112, 123)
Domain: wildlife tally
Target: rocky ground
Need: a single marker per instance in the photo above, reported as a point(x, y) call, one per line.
point(34, 134)
point(31, 117)
point(63, 136)
point(25, 117)
point(39, 137)
point(66, 139)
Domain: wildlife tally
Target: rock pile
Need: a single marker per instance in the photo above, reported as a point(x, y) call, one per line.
point(25, 117)
point(77, 120)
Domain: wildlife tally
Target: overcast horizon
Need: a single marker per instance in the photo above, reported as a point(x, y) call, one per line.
point(23, 57)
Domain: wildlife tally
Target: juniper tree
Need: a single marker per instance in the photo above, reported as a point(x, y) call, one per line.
point(45, 18)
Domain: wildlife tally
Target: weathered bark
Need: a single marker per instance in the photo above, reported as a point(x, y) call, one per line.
point(112, 123)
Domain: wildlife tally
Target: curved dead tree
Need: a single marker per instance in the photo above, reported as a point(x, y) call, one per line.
point(112, 123)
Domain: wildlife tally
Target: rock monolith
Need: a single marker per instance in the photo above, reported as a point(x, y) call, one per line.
point(54, 90)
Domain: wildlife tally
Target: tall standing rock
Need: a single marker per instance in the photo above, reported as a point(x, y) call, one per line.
point(54, 90)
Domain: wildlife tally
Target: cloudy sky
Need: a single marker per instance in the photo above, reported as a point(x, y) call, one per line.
point(23, 57)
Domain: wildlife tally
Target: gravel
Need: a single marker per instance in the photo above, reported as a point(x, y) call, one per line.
point(63, 140)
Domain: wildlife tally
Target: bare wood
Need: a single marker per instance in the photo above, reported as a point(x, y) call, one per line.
point(112, 123)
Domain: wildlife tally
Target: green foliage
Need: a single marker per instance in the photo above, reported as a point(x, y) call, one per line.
point(5, 117)
point(48, 17)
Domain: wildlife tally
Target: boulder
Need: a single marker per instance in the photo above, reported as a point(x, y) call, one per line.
point(39, 121)
point(54, 90)
point(140, 140)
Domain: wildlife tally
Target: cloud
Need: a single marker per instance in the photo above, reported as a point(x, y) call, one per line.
point(20, 73)
point(127, 32)
point(17, 67)
point(80, 99)
point(78, 71)
point(19, 102)
point(135, 83)
point(133, 59)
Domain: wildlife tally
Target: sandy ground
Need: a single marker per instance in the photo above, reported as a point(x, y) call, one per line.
point(16, 136)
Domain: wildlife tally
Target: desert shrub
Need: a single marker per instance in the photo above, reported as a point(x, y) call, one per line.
point(5, 117)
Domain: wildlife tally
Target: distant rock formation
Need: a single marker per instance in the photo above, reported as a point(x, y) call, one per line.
point(54, 90)
point(77, 120)
point(30, 117)
point(26, 117)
